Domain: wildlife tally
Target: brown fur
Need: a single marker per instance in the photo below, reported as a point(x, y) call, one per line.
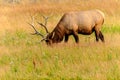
point(74, 23)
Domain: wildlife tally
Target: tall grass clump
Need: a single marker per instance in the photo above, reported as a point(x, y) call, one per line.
point(114, 28)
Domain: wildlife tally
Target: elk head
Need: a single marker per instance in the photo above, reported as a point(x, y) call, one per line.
point(48, 36)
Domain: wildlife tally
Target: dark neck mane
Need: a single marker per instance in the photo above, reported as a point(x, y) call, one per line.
point(58, 34)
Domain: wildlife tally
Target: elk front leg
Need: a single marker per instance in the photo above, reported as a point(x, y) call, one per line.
point(66, 38)
point(76, 37)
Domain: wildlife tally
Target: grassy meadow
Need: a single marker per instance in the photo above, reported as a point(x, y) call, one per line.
point(24, 57)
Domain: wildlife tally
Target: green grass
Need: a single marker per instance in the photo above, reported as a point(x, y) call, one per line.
point(113, 28)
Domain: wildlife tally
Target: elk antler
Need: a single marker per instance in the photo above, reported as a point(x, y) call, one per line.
point(45, 24)
point(32, 25)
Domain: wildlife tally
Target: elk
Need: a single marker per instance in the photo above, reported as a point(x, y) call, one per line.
point(74, 23)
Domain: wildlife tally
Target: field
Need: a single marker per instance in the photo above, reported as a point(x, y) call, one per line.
point(24, 57)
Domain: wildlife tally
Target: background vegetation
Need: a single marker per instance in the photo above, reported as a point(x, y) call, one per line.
point(22, 56)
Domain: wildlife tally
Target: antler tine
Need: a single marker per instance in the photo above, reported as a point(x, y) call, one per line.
point(46, 18)
point(32, 25)
point(36, 32)
point(43, 26)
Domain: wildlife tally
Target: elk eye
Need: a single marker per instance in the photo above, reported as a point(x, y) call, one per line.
point(47, 40)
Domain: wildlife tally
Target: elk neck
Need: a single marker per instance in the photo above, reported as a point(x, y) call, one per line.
point(58, 34)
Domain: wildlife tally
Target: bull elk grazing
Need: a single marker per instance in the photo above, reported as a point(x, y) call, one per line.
point(74, 23)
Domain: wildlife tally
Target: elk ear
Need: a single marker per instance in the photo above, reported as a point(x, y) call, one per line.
point(53, 34)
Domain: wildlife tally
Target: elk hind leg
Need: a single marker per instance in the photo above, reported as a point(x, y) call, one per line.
point(97, 35)
point(101, 36)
